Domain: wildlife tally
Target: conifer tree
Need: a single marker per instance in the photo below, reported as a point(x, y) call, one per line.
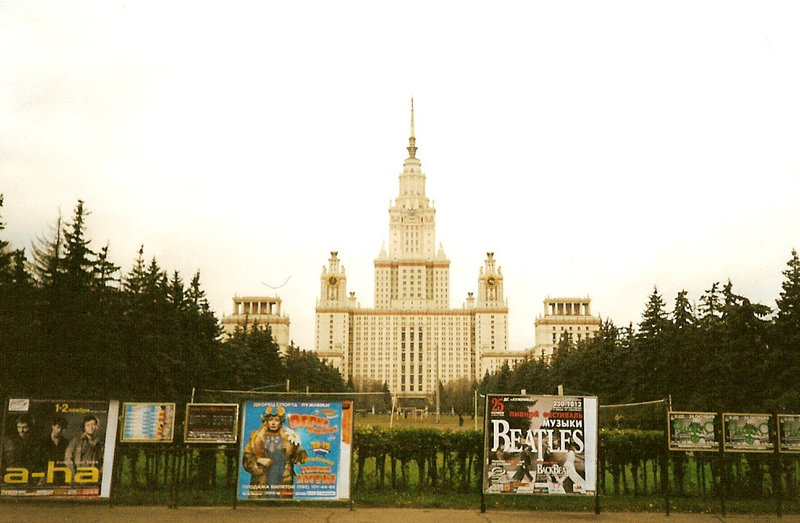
point(788, 318)
point(784, 351)
point(134, 280)
point(651, 350)
point(47, 252)
point(5, 254)
point(683, 357)
point(104, 269)
point(78, 257)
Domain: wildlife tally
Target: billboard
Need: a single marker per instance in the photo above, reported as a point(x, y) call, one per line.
point(692, 431)
point(58, 448)
point(540, 445)
point(211, 423)
point(789, 432)
point(746, 433)
point(147, 422)
point(296, 450)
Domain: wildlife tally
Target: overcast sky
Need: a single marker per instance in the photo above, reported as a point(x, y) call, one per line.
point(597, 148)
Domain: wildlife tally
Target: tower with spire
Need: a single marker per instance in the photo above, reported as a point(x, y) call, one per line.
point(411, 339)
point(412, 275)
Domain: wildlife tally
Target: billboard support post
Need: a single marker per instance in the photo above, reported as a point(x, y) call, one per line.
point(723, 475)
point(597, 462)
point(352, 452)
point(173, 488)
point(777, 467)
point(483, 468)
point(665, 466)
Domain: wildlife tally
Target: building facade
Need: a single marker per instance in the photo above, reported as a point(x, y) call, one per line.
point(411, 339)
point(569, 317)
point(261, 310)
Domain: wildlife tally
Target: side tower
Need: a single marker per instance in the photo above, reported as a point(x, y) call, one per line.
point(491, 316)
point(333, 315)
point(564, 317)
point(259, 310)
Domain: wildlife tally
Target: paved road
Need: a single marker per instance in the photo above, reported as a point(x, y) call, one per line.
point(87, 513)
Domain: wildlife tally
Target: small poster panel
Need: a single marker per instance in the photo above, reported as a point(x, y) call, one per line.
point(789, 432)
point(147, 422)
point(540, 445)
point(692, 431)
point(746, 433)
point(58, 448)
point(211, 423)
point(296, 450)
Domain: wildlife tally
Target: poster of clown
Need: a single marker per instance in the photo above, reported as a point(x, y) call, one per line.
point(540, 445)
point(295, 450)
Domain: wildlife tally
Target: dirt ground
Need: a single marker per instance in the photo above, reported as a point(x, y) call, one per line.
point(87, 513)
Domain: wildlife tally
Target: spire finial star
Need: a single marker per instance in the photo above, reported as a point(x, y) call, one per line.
point(412, 142)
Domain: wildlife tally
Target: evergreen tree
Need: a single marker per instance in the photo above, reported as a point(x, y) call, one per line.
point(78, 257)
point(104, 269)
point(744, 341)
point(650, 350)
point(683, 356)
point(682, 312)
point(134, 280)
point(788, 318)
point(47, 252)
point(5, 253)
point(12, 262)
point(503, 383)
point(711, 302)
point(784, 351)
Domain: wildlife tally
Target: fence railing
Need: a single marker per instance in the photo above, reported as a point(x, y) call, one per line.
point(629, 461)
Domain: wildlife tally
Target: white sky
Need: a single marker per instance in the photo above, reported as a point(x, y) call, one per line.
point(598, 148)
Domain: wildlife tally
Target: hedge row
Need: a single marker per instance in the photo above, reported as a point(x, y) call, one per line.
point(443, 458)
point(451, 461)
point(454, 457)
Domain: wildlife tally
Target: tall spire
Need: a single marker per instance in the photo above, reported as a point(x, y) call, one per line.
point(412, 142)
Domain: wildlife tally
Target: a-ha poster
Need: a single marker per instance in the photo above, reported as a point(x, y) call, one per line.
point(540, 445)
point(295, 450)
point(58, 448)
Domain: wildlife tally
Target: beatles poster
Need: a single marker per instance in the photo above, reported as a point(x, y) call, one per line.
point(296, 450)
point(789, 432)
point(147, 422)
point(211, 423)
point(746, 433)
point(692, 431)
point(540, 445)
point(58, 448)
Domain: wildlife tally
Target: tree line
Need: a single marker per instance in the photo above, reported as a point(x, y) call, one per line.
point(72, 325)
point(725, 353)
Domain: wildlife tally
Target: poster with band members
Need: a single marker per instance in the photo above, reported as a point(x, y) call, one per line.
point(746, 433)
point(58, 448)
point(296, 450)
point(147, 422)
point(690, 431)
point(789, 432)
point(211, 423)
point(540, 445)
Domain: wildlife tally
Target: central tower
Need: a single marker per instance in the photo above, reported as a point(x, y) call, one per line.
point(411, 340)
point(412, 275)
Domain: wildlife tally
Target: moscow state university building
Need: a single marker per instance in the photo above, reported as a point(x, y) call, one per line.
point(412, 337)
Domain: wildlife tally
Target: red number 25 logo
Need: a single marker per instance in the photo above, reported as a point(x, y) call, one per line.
point(497, 405)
